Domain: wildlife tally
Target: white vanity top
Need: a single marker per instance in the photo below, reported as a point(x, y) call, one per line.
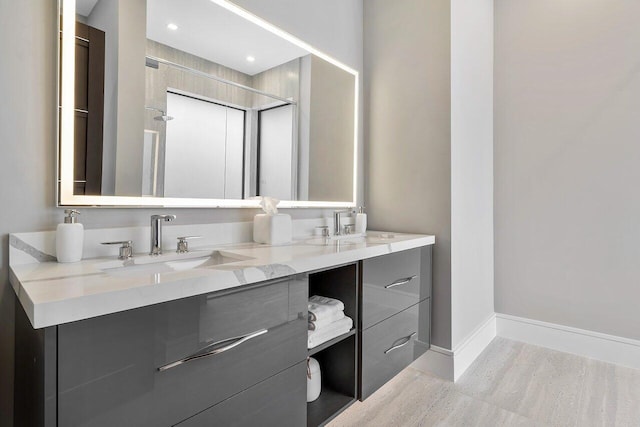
point(53, 293)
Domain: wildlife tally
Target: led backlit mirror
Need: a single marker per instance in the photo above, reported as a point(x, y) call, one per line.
point(199, 103)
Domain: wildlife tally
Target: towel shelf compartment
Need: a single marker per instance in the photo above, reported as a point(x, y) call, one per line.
point(338, 357)
point(331, 342)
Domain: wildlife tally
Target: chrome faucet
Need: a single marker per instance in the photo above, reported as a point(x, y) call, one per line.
point(336, 221)
point(156, 232)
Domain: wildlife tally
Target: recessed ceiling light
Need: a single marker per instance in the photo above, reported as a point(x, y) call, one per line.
point(172, 26)
point(250, 58)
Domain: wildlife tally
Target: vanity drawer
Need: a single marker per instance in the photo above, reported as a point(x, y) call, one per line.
point(391, 345)
point(394, 282)
point(277, 401)
point(108, 367)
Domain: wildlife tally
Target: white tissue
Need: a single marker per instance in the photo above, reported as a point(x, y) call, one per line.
point(269, 205)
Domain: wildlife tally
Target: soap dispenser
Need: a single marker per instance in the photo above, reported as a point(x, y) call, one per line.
point(361, 221)
point(69, 238)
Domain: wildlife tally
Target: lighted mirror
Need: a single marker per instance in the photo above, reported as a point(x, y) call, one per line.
point(199, 103)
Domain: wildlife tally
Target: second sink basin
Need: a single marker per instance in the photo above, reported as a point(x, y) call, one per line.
point(166, 263)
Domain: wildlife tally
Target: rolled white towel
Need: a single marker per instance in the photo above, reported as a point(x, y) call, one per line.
point(329, 332)
point(326, 320)
point(320, 307)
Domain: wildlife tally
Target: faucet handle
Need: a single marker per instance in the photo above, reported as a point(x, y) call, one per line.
point(126, 248)
point(323, 230)
point(167, 217)
point(183, 243)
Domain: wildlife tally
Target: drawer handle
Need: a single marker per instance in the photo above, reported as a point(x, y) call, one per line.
point(400, 282)
point(404, 342)
point(233, 342)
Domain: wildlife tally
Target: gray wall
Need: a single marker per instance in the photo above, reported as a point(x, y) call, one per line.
point(331, 132)
point(304, 126)
point(28, 130)
point(27, 138)
point(567, 156)
point(408, 162)
point(282, 80)
point(132, 43)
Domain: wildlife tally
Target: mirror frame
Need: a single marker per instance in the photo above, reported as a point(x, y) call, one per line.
point(65, 196)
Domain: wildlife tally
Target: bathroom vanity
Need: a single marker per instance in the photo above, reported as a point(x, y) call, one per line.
point(214, 341)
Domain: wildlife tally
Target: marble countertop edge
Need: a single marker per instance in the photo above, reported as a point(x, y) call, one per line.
point(45, 308)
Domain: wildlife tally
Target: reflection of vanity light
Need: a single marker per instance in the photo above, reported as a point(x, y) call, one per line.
point(250, 58)
point(172, 27)
point(67, 125)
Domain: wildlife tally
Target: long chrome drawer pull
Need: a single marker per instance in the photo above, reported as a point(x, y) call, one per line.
point(404, 342)
point(400, 282)
point(234, 342)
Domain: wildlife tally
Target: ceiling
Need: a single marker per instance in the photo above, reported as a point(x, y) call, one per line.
point(84, 7)
point(212, 32)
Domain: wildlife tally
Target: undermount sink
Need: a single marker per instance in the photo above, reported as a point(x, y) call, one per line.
point(167, 263)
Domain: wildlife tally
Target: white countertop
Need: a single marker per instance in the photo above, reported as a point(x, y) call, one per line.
point(53, 293)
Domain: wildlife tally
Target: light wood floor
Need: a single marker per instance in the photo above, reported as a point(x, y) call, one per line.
point(510, 384)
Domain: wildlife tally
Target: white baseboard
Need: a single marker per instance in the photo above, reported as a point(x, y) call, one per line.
point(466, 352)
point(595, 345)
point(451, 364)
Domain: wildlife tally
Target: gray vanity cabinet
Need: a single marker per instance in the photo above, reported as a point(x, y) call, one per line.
point(121, 369)
point(396, 314)
point(278, 401)
point(391, 346)
point(394, 282)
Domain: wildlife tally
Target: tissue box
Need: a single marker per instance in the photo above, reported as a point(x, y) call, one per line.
point(272, 229)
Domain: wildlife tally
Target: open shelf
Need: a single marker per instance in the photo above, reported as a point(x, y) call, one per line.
point(338, 370)
point(327, 406)
point(338, 356)
point(331, 342)
point(339, 283)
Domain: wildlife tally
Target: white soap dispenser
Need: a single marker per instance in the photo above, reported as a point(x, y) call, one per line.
point(69, 238)
point(361, 221)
